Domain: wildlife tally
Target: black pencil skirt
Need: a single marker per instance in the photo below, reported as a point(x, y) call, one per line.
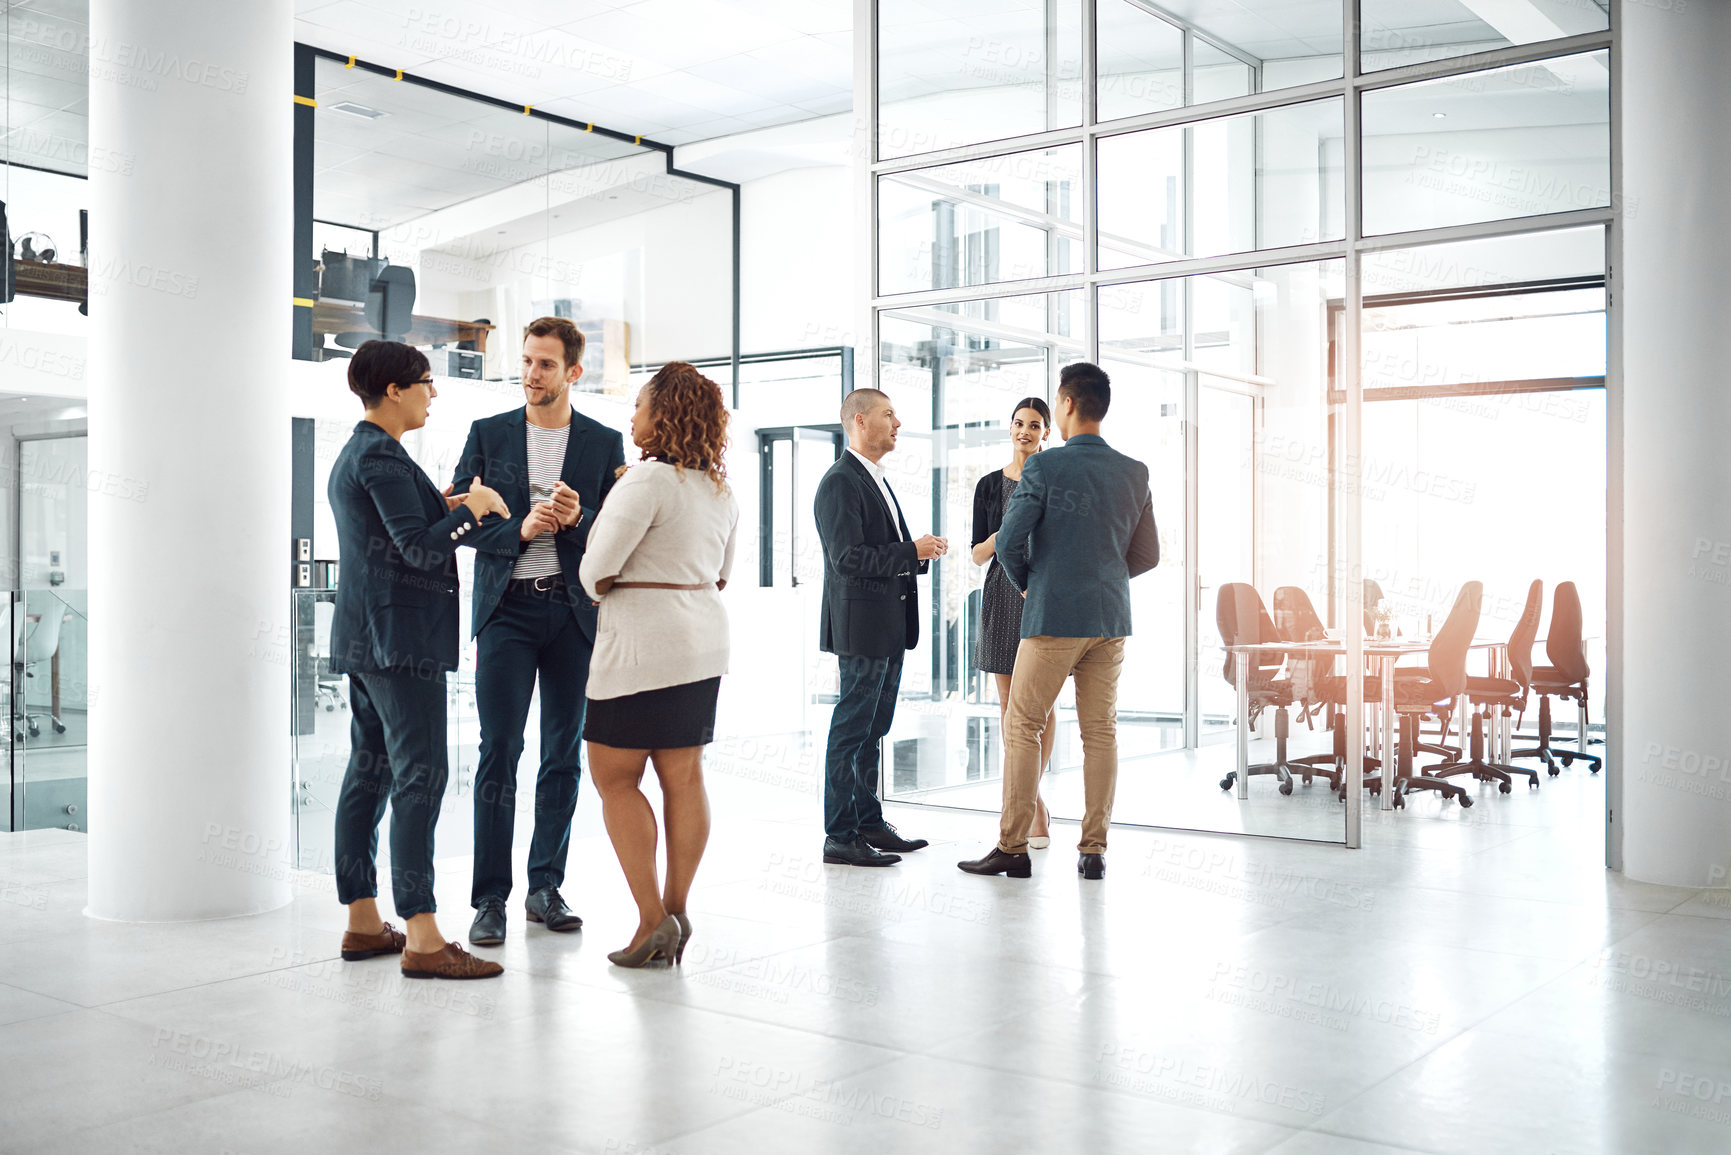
point(663, 719)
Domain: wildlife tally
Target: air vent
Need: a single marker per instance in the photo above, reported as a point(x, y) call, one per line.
point(350, 108)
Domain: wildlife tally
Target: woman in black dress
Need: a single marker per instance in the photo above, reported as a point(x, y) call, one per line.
point(1000, 602)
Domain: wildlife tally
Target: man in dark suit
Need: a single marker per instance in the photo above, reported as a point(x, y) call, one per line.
point(1079, 527)
point(531, 618)
point(871, 618)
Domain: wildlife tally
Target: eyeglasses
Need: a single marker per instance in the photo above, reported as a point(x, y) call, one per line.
point(428, 380)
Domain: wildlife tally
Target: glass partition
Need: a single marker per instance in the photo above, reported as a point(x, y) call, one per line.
point(953, 73)
point(1397, 32)
point(490, 218)
point(1508, 142)
point(1228, 185)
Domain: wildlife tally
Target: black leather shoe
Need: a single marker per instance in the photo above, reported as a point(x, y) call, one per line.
point(1091, 866)
point(859, 852)
point(546, 906)
point(886, 837)
point(488, 929)
point(1000, 862)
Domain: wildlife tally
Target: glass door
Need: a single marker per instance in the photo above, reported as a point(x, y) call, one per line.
point(49, 703)
point(1226, 536)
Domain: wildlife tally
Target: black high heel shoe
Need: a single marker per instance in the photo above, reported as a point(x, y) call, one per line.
point(662, 942)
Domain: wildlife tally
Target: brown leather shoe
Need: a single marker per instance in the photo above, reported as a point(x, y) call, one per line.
point(359, 946)
point(450, 962)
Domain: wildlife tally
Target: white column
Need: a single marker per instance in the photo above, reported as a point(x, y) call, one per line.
point(190, 299)
point(1673, 746)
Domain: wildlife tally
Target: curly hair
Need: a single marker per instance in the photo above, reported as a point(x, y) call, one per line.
point(690, 426)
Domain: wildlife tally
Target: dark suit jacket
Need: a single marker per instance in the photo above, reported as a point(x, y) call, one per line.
point(870, 601)
point(498, 452)
point(1079, 527)
point(397, 601)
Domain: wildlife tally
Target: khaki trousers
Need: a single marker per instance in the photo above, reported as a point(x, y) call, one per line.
point(1042, 664)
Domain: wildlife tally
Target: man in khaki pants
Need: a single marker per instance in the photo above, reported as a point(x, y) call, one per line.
point(1079, 527)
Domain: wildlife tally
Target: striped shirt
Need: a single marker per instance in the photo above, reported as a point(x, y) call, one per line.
point(546, 461)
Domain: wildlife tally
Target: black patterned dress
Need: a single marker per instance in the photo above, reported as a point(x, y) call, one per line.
point(1000, 612)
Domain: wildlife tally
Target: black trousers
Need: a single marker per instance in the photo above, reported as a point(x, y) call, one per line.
point(863, 712)
point(397, 754)
point(527, 636)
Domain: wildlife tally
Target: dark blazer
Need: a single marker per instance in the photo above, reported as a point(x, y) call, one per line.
point(870, 601)
point(1079, 527)
point(397, 600)
point(498, 452)
point(988, 505)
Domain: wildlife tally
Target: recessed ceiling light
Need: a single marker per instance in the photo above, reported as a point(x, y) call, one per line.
point(350, 108)
point(1440, 115)
point(501, 232)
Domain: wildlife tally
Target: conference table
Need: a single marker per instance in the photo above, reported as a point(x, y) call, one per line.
point(1381, 654)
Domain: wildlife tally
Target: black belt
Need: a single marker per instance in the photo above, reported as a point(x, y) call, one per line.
point(538, 587)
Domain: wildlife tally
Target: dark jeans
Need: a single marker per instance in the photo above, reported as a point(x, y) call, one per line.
point(396, 754)
point(863, 712)
point(525, 636)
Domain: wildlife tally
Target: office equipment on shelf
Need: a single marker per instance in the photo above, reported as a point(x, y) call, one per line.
point(1244, 620)
point(1434, 691)
point(34, 643)
point(1495, 696)
point(1565, 678)
point(464, 363)
point(346, 278)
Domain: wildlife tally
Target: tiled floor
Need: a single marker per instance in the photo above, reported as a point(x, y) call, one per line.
point(1472, 981)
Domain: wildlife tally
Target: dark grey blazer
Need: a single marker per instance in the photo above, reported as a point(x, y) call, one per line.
point(1079, 527)
point(397, 602)
point(870, 601)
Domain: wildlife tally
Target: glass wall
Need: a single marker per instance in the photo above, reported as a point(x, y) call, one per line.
point(1256, 276)
point(491, 218)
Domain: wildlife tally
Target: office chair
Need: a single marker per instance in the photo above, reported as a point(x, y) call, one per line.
point(1566, 678)
point(389, 308)
point(1316, 687)
point(1488, 693)
point(35, 644)
point(1445, 720)
point(1243, 620)
point(1433, 691)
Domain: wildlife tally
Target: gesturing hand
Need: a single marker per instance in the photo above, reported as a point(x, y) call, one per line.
point(482, 500)
point(929, 547)
point(567, 506)
point(540, 520)
point(452, 500)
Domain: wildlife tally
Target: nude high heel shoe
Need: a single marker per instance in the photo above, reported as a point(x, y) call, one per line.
point(684, 937)
point(662, 942)
point(1041, 841)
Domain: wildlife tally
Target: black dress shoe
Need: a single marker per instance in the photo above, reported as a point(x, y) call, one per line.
point(488, 929)
point(886, 837)
point(859, 852)
point(546, 906)
point(1000, 862)
point(1091, 866)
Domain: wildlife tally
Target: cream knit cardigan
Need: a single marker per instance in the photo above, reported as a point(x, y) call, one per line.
point(660, 523)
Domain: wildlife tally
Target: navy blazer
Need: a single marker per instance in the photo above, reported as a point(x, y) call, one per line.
point(1079, 527)
point(870, 600)
point(397, 600)
point(497, 451)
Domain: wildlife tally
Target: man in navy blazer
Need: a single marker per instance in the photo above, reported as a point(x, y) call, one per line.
point(553, 467)
point(1079, 527)
point(871, 617)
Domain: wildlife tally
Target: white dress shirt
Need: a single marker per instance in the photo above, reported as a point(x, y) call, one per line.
point(877, 472)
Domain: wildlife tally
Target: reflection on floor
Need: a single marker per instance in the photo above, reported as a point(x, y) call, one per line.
point(1472, 981)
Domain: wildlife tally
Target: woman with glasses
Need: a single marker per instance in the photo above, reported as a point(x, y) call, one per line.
point(658, 557)
point(394, 633)
point(1000, 632)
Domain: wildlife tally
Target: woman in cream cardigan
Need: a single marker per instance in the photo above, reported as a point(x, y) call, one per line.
point(657, 558)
